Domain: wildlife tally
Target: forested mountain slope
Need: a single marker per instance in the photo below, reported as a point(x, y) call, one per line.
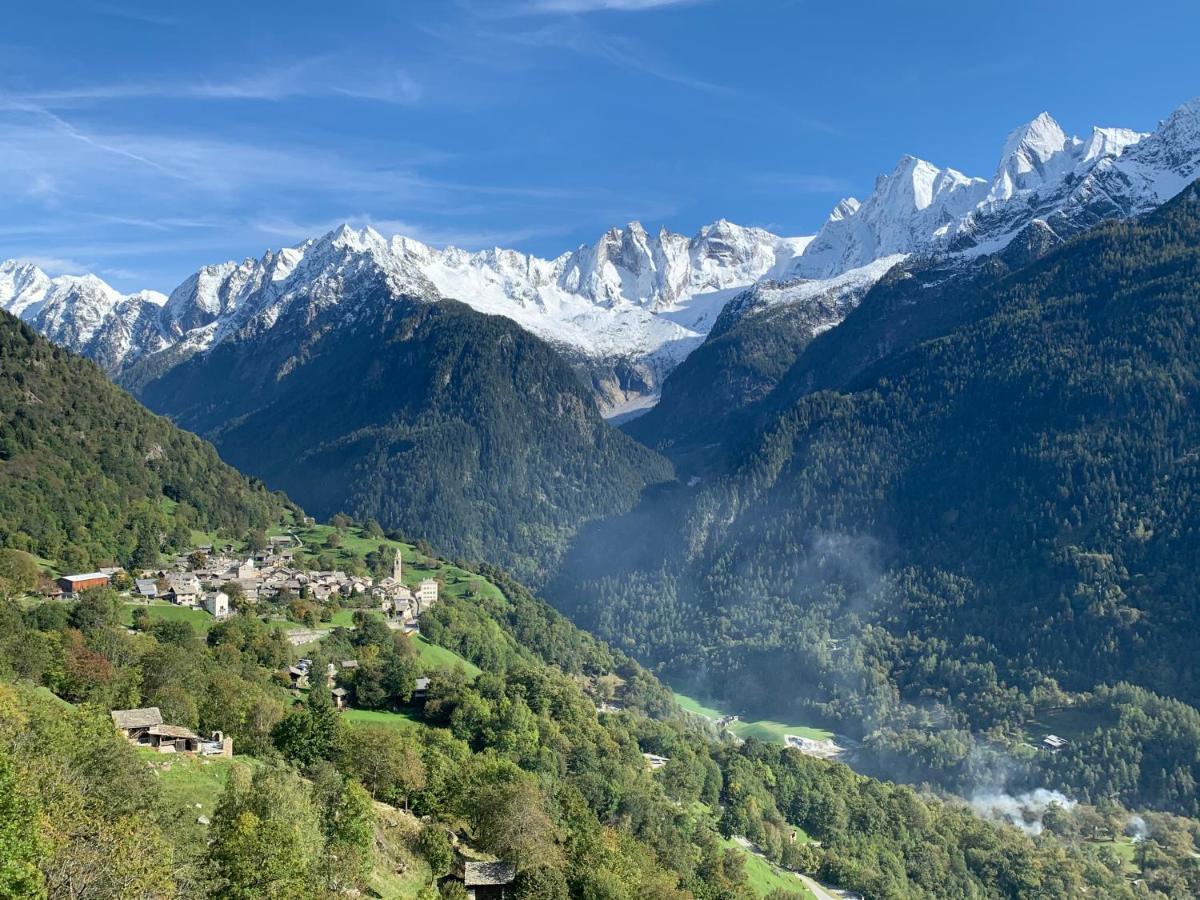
point(87, 474)
point(785, 335)
point(742, 359)
point(968, 519)
point(428, 416)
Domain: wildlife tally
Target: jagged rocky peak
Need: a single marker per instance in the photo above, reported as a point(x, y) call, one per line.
point(635, 297)
point(629, 266)
point(1108, 142)
point(621, 266)
point(729, 252)
point(208, 294)
point(82, 312)
point(845, 208)
point(344, 237)
point(1175, 144)
point(1042, 175)
point(1033, 154)
point(917, 198)
point(917, 185)
point(22, 285)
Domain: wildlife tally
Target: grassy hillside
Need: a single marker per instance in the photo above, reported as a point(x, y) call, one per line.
point(761, 729)
point(763, 877)
point(402, 721)
point(200, 620)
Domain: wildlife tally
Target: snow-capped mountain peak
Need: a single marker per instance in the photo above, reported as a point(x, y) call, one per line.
point(844, 209)
point(82, 312)
point(1042, 175)
point(634, 300)
point(23, 286)
point(1033, 154)
point(1110, 142)
point(916, 198)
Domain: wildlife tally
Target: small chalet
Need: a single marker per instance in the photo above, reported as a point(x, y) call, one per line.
point(146, 727)
point(421, 690)
point(172, 739)
point(339, 697)
point(489, 880)
point(135, 723)
point(183, 588)
point(147, 587)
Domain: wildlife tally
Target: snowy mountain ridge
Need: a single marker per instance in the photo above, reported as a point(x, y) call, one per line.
point(627, 308)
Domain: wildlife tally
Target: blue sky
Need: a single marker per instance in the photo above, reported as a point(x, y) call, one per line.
point(141, 140)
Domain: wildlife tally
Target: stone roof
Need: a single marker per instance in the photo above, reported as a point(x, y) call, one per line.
point(174, 731)
point(481, 873)
point(126, 719)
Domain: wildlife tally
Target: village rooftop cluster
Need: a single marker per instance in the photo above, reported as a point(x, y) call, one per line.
point(203, 579)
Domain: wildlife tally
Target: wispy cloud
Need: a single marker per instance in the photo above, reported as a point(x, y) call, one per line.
point(41, 146)
point(128, 201)
point(572, 36)
point(146, 17)
point(799, 183)
point(586, 6)
point(627, 54)
point(54, 265)
point(64, 129)
point(314, 77)
point(44, 151)
point(166, 223)
point(42, 187)
point(439, 236)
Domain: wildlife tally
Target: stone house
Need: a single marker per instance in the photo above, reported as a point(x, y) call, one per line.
point(489, 880)
point(135, 723)
point(217, 604)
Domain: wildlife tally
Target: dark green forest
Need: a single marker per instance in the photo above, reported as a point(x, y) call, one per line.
point(88, 476)
point(449, 425)
point(998, 513)
point(708, 394)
